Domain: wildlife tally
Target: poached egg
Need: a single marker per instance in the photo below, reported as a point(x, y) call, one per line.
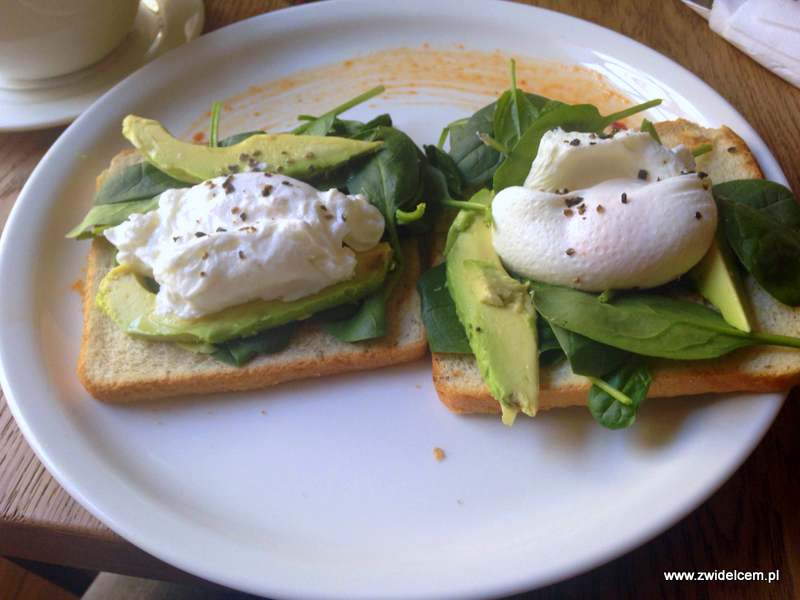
point(568, 160)
point(605, 213)
point(244, 237)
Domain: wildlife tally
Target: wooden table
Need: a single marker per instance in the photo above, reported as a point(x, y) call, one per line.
point(751, 523)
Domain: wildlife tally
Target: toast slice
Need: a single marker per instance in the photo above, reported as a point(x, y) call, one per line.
point(461, 388)
point(116, 367)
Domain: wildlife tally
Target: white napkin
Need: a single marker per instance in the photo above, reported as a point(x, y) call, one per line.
point(767, 30)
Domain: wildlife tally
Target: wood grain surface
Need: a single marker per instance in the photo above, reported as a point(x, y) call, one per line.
point(751, 523)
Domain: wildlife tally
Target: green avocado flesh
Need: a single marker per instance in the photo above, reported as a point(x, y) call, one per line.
point(123, 297)
point(718, 280)
point(497, 314)
point(301, 156)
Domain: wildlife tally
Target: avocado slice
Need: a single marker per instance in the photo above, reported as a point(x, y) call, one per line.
point(718, 280)
point(497, 313)
point(300, 156)
point(124, 298)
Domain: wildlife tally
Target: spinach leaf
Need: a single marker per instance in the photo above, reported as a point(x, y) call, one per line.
point(772, 199)
point(446, 131)
point(551, 105)
point(443, 328)
point(578, 117)
point(336, 178)
point(587, 357)
point(136, 182)
point(648, 324)
point(433, 195)
point(442, 161)
point(620, 380)
point(238, 352)
point(494, 144)
point(354, 129)
point(549, 348)
point(234, 139)
point(761, 221)
point(336, 313)
point(391, 178)
point(512, 116)
point(103, 216)
point(630, 381)
point(475, 160)
point(324, 124)
point(369, 320)
point(513, 113)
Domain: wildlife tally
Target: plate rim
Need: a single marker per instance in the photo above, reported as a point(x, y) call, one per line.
point(56, 469)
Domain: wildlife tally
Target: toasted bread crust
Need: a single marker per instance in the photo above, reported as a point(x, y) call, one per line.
point(668, 381)
point(730, 157)
point(459, 385)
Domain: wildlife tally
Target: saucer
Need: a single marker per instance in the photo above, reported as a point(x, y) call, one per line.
point(160, 25)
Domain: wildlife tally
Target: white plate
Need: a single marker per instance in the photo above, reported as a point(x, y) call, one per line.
point(334, 492)
point(160, 25)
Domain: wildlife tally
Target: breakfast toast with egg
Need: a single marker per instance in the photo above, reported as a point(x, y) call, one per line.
point(116, 367)
point(759, 369)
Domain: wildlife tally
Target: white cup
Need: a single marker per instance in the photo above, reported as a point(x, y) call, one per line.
point(40, 39)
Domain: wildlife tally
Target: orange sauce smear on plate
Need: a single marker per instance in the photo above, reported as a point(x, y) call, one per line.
point(424, 75)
